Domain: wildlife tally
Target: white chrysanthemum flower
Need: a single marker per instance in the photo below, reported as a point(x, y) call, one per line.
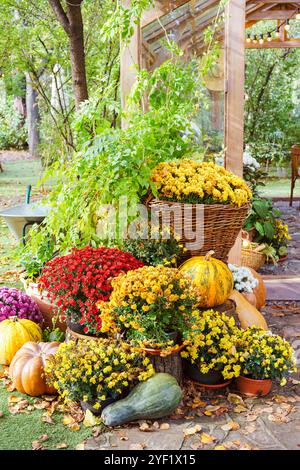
point(244, 281)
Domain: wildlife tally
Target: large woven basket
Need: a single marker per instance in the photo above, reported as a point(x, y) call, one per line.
point(252, 259)
point(220, 225)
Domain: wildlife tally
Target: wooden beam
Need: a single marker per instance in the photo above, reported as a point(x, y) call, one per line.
point(130, 62)
point(275, 44)
point(234, 96)
point(160, 10)
point(272, 15)
point(235, 76)
point(248, 24)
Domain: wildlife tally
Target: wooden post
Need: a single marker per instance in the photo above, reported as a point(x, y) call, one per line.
point(234, 96)
point(130, 62)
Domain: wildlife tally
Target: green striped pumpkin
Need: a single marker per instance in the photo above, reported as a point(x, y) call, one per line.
point(212, 277)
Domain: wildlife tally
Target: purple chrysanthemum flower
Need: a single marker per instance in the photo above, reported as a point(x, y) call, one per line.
point(14, 302)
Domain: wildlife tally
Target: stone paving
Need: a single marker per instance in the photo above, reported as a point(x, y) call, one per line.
point(224, 420)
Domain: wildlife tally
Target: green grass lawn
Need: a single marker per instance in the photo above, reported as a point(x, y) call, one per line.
point(279, 187)
point(18, 431)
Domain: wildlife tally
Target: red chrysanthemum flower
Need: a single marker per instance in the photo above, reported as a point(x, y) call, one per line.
point(77, 281)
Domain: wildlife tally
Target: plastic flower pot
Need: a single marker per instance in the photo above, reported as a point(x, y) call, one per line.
point(253, 387)
point(213, 378)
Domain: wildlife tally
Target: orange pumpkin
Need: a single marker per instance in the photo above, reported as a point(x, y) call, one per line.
point(260, 290)
point(14, 333)
point(27, 368)
point(212, 278)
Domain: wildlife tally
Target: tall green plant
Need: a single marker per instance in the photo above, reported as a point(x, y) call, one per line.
point(118, 162)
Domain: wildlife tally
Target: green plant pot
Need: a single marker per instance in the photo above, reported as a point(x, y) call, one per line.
point(213, 377)
point(89, 405)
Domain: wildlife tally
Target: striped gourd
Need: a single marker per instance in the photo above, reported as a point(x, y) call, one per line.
point(212, 278)
point(14, 333)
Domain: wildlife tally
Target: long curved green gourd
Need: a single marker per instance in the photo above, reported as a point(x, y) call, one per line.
point(156, 397)
point(248, 315)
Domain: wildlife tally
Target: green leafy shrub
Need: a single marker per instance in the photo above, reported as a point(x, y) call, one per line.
point(13, 132)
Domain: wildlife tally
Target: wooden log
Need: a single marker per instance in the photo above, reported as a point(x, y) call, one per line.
point(171, 364)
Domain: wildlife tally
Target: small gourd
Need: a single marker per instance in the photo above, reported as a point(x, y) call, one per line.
point(156, 397)
point(247, 314)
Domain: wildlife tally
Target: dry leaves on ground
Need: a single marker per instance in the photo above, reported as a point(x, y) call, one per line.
point(192, 430)
point(207, 438)
point(231, 426)
point(140, 446)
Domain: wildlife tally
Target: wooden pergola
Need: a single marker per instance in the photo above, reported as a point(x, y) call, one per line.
point(187, 20)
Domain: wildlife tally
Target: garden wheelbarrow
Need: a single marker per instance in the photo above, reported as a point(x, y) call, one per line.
point(20, 218)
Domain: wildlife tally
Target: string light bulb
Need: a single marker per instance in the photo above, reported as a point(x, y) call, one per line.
point(261, 39)
point(287, 25)
point(277, 34)
point(298, 15)
point(248, 38)
point(255, 38)
point(269, 37)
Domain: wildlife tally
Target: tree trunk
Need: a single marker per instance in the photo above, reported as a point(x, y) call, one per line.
point(171, 364)
point(71, 21)
point(33, 118)
point(77, 53)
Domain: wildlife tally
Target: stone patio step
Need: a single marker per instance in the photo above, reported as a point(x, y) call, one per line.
point(283, 288)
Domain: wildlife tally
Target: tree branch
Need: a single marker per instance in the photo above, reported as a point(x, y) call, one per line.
point(60, 15)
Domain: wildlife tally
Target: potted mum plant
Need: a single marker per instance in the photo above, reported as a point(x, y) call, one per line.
point(152, 308)
point(263, 358)
point(15, 303)
point(244, 282)
point(202, 195)
point(77, 281)
point(211, 357)
point(96, 373)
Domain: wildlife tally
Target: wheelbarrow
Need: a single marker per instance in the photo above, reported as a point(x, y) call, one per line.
point(20, 218)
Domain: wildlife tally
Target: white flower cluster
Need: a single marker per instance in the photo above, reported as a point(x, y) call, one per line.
point(250, 161)
point(244, 281)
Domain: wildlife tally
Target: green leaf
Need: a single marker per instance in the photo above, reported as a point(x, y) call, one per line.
point(269, 230)
point(259, 227)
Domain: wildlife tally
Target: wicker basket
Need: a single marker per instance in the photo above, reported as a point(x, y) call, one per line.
point(73, 336)
point(217, 228)
point(252, 259)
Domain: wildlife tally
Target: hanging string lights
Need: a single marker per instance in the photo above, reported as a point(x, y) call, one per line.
point(269, 36)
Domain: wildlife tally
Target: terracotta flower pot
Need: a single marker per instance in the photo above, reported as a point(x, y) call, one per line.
point(253, 387)
point(283, 258)
point(47, 309)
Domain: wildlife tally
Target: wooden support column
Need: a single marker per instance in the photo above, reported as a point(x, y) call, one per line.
point(234, 96)
point(130, 63)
